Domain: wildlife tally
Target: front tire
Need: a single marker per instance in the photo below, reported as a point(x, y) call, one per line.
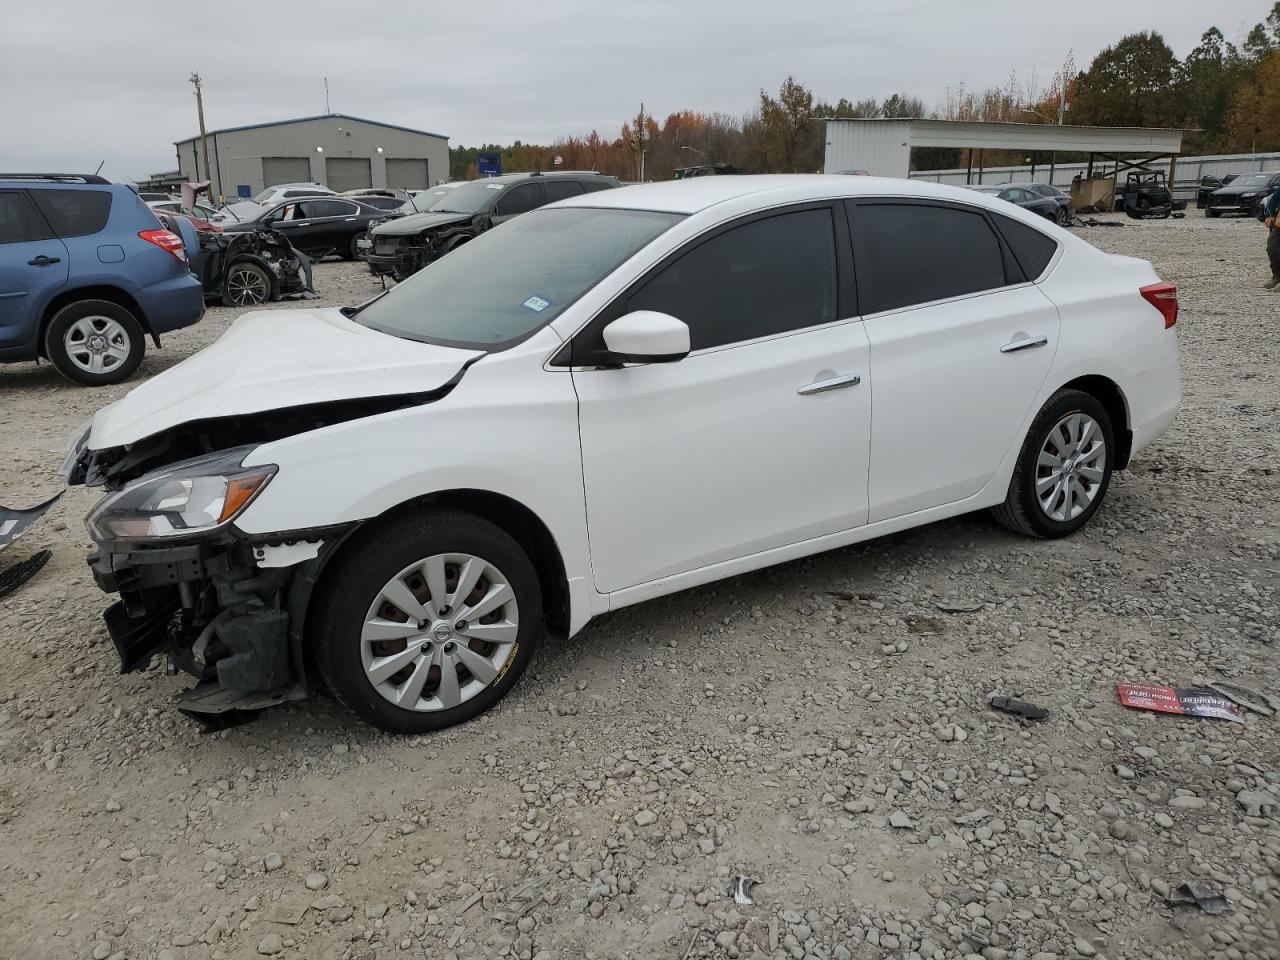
point(95, 342)
point(427, 622)
point(1063, 469)
point(247, 284)
point(353, 252)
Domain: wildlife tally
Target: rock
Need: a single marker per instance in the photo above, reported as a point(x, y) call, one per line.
point(1253, 801)
point(112, 805)
point(900, 821)
point(645, 817)
point(375, 911)
point(101, 950)
point(272, 862)
point(270, 945)
point(316, 881)
point(1084, 947)
point(1188, 803)
point(130, 854)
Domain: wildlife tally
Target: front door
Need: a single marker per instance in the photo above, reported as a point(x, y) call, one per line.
point(960, 347)
point(33, 265)
point(516, 200)
point(759, 437)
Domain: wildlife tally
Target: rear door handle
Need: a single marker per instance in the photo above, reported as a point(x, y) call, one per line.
point(834, 383)
point(351, 219)
point(1023, 343)
point(43, 261)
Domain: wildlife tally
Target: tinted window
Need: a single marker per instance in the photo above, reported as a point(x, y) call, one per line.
point(560, 189)
point(383, 203)
point(508, 283)
point(601, 183)
point(913, 253)
point(289, 194)
point(1032, 249)
point(19, 221)
point(74, 213)
point(519, 199)
point(764, 277)
point(313, 209)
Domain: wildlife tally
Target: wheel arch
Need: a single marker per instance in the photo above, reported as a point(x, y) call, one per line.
point(116, 295)
point(509, 515)
point(1109, 394)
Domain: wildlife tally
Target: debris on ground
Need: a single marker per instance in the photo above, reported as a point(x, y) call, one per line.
point(15, 575)
point(959, 606)
point(742, 890)
point(1192, 701)
point(14, 523)
point(1249, 699)
point(1199, 893)
point(1020, 708)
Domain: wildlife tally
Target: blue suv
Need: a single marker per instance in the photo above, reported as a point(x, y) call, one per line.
point(87, 272)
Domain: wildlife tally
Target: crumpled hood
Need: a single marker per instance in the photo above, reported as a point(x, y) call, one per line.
point(417, 222)
point(270, 360)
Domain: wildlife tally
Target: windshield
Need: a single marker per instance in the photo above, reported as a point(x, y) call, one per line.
point(264, 195)
point(514, 279)
point(470, 197)
point(1251, 180)
point(993, 191)
point(426, 200)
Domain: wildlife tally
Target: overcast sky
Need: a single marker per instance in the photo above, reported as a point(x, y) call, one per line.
point(82, 81)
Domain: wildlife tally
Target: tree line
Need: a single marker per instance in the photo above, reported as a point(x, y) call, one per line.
point(1227, 93)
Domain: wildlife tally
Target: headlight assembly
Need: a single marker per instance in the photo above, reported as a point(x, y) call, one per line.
point(185, 499)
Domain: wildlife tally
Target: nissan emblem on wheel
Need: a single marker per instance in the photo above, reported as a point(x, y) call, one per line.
point(610, 398)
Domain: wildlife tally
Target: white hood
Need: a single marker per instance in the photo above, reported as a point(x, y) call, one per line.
point(270, 360)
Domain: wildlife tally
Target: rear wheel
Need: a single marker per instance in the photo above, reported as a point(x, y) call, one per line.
point(95, 342)
point(428, 622)
point(1063, 470)
point(1210, 212)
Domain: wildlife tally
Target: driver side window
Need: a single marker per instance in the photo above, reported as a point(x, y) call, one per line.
point(520, 199)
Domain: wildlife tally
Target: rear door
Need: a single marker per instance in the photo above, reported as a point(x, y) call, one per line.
point(33, 266)
point(333, 223)
point(960, 346)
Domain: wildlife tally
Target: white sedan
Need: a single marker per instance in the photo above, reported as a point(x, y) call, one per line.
point(600, 402)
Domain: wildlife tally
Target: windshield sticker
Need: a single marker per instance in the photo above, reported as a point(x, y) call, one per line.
point(537, 304)
point(494, 186)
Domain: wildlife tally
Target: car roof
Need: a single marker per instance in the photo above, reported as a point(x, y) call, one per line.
point(700, 193)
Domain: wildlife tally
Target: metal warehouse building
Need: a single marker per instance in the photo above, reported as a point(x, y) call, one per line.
point(337, 150)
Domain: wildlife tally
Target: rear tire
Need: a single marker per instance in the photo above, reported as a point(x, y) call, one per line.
point(353, 252)
point(1047, 500)
point(355, 602)
point(95, 342)
point(1210, 212)
point(247, 284)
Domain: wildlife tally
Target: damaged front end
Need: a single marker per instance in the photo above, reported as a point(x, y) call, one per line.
point(401, 256)
point(253, 267)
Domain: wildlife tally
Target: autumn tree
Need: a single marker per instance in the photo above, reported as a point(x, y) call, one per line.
point(1254, 122)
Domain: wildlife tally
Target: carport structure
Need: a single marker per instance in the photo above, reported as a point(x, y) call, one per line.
point(883, 147)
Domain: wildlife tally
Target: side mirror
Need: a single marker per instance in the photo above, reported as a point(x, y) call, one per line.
point(646, 336)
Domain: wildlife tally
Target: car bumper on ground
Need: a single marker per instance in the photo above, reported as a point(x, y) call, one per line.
point(172, 304)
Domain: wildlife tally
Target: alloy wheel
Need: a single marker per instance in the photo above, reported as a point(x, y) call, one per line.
point(1071, 467)
point(439, 632)
point(97, 344)
point(247, 286)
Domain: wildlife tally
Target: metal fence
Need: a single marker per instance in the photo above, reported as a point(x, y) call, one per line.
point(1190, 170)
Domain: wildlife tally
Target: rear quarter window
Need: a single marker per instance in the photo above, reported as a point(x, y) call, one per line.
point(74, 213)
point(1032, 249)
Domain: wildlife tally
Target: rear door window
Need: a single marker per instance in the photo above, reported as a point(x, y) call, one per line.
point(316, 209)
point(74, 213)
point(520, 199)
point(912, 253)
point(562, 189)
point(20, 222)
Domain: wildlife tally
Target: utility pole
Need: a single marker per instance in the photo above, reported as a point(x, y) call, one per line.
point(327, 111)
point(204, 140)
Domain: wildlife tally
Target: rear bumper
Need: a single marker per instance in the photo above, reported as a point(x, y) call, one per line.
point(172, 304)
point(1154, 397)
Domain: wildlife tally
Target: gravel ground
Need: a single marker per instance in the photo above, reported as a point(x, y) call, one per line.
point(820, 727)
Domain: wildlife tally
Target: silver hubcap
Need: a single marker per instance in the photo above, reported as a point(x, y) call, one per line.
point(440, 631)
point(245, 287)
point(97, 344)
point(1071, 466)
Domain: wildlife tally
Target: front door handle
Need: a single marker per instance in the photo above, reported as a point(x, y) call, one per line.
point(834, 383)
point(1023, 343)
point(43, 261)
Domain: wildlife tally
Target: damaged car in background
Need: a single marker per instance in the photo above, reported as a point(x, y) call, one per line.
point(404, 245)
point(399, 499)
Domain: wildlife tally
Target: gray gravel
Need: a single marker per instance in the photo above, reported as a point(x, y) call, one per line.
point(820, 727)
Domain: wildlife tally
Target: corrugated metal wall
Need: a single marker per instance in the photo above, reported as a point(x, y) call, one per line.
point(237, 155)
point(1190, 170)
point(878, 148)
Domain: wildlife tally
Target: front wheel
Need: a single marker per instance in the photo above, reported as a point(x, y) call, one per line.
point(427, 622)
point(353, 251)
point(1063, 469)
point(247, 284)
point(1063, 218)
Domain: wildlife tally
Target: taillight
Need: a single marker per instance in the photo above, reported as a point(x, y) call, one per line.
point(167, 241)
point(1164, 297)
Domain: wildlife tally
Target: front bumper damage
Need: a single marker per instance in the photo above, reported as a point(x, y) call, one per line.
point(224, 611)
point(400, 256)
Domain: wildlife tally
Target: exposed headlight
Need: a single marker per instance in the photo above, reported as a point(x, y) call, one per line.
point(1247, 196)
point(192, 497)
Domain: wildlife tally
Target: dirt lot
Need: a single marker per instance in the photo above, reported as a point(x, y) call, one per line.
point(772, 726)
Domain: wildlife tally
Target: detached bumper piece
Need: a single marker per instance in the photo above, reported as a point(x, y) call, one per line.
point(215, 616)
